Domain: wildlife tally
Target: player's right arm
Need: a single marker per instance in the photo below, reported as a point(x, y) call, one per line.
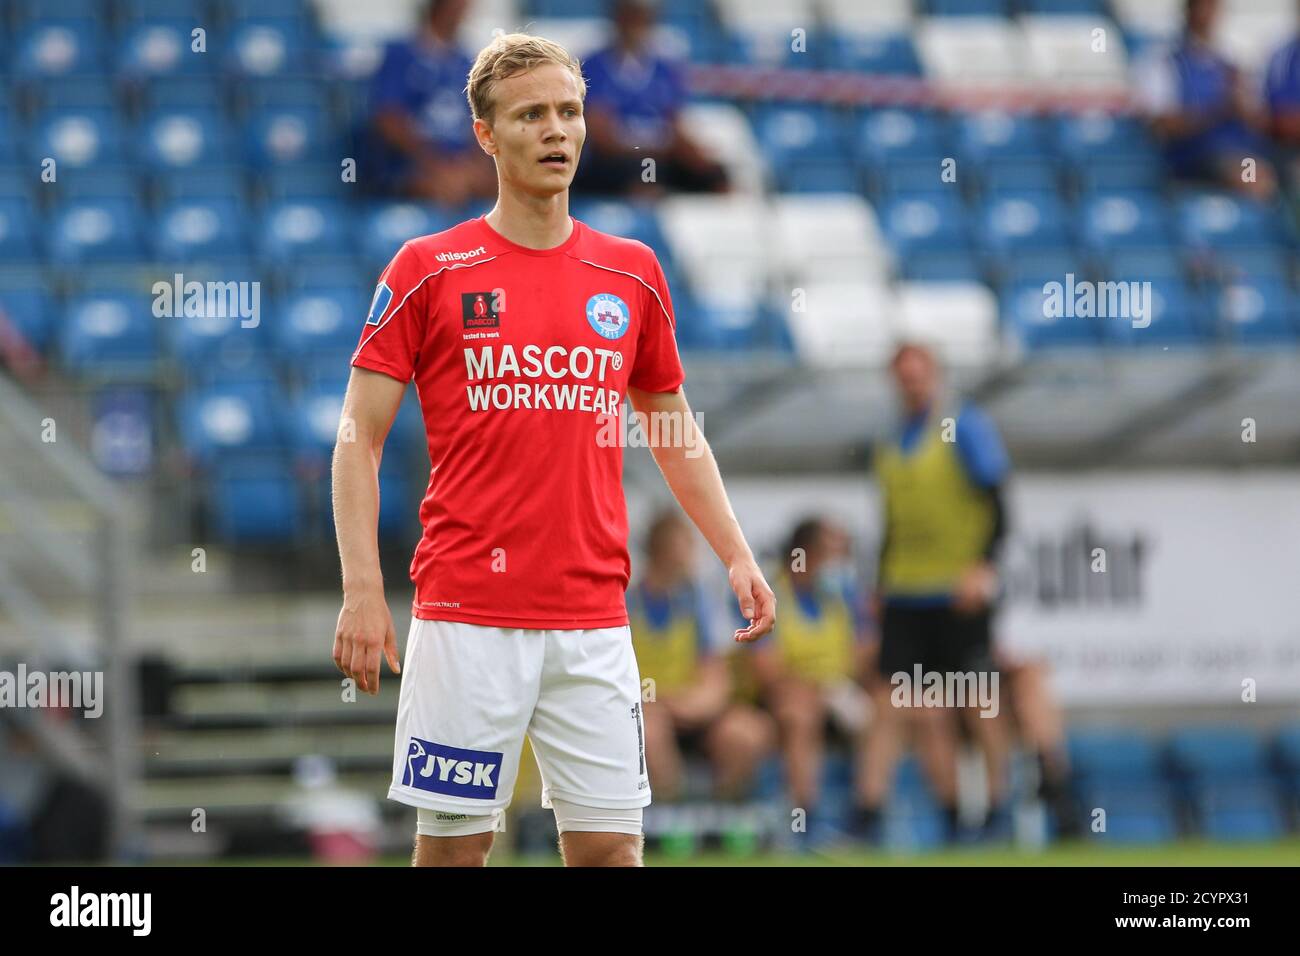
point(365, 627)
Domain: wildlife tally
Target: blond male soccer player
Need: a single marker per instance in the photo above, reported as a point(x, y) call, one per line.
point(523, 330)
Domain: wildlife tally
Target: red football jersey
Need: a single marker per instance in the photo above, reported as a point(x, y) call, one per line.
point(519, 356)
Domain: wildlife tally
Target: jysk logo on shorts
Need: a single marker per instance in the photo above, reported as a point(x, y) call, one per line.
point(608, 315)
point(379, 304)
point(479, 310)
point(452, 771)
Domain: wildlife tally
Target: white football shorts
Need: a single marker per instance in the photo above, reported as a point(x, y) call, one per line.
point(470, 693)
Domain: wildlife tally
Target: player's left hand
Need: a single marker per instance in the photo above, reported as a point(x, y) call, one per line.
point(757, 602)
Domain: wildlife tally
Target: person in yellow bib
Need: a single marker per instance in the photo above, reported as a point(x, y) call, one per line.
point(809, 669)
point(941, 479)
point(686, 685)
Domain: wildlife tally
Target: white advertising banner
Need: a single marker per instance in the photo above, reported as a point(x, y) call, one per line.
point(1157, 587)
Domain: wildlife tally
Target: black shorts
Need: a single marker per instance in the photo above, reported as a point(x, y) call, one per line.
point(938, 638)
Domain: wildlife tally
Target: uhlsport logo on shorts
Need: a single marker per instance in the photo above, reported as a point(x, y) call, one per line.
point(608, 315)
point(379, 304)
point(452, 771)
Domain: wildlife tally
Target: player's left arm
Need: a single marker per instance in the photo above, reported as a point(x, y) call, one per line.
point(692, 475)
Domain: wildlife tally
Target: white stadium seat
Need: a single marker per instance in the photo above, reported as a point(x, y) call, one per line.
point(958, 318)
point(844, 322)
point(713, 236)
point(725, 131)
point(876, 16)
point(767, 15)
point(971, 50)
point(1159, 18)
point(1061, 51)
point(373, 21)
point(827, 235)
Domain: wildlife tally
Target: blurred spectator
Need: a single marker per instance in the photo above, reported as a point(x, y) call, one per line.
point(1199, 107)
point(633, 109)
point(807, 668)
point(421, 136)
point(941, 483)
point(692, 707)
point(1282, 100)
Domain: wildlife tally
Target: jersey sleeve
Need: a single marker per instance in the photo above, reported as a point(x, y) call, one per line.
point(981, 449)
point(657, 366)
point(394, 329)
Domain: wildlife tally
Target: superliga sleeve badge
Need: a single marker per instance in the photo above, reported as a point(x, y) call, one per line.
point(608, 315)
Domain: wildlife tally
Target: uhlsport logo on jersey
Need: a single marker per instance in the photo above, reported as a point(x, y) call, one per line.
point(379, 304)
point(608, 315)
point(452, 771)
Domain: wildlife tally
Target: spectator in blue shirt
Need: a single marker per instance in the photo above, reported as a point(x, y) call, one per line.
point(1282, 97)
point(634, 101)
point(421, 136)
point(1197, 104)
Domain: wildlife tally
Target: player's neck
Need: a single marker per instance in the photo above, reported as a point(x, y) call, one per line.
point(535, 223)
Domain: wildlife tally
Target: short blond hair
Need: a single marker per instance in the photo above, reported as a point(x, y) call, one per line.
point(510, 54)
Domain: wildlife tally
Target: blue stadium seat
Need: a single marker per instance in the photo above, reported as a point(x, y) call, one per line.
point(77, 138)
point(324, 321)
point(912, 176)
point(1013, 222)
point(109, 333)
point(913, 820)
point(289, 10)
point(1260, 311)
point(153, 9)
point(266, 47)
point(315, 426)
point(1134, 814)
point(1229, 810)
point(629, 220)
point(1256, 262)
point(967, 8)
point(1124, 219)
point(200, 182)
point(1114, 756)
point(73, 93)
point(18, 230)
point(91, 182)
point(90, 10)
point(942, 265)
point(305, 181)
point(201, 93)
point(1051, 263)
point(888, 135)
point(176, 138)
point(805, 148)
point(161, 48)
point(50, 48)
point(1064, 7)
point(886, 53)
point(193, 228)
point(397, 501)
point(1018, 175)
point(1219, 753)
point(994, 134)
point(1025, 313)
point(1175, 315)
point(29, 312)
point(95, 230)
point(255, 500)
point(292, 228)
point(1213, 219)
point(1158, 261)
point(387, 225)
point(287, 135)
point(218, 349)
point(225, 418)
point(930, 221)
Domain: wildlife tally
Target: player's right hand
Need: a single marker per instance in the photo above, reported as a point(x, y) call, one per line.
point(364, 634)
